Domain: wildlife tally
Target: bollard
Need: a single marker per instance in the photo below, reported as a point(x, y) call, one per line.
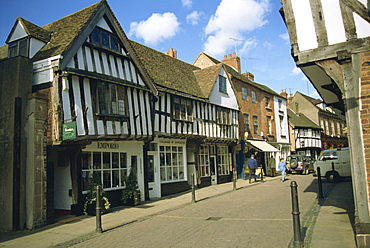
point(321, 195)
point(295, 212)
point(98, 210)
point(262, 174)
point(332, 166)
point(192, 188)
point(234, 178)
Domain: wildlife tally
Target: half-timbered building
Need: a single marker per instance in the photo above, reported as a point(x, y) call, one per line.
point(89, 110)
point(330, 43)
point(195, 123)
point(85, 100)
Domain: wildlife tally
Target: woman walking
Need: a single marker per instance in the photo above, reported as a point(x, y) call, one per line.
point(282, 168)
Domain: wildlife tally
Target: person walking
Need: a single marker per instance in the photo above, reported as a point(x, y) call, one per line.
point(282, 168)
point(272, 166)
point(252, 165)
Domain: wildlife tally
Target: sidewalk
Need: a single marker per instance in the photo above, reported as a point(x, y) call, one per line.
point(327, 224)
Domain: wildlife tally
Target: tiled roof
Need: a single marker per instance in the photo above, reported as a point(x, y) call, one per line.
point(301, 120)
point(207, 77)
point(66, 30)
point(243, 78)
point(34, 30)
point(168, 72)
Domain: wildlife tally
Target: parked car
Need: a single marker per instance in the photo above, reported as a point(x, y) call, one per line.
point(334, 164)
point(299, 164)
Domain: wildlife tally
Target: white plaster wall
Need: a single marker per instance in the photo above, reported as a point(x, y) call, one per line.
point(226, 100)
point(18, 33)
point(35, 46)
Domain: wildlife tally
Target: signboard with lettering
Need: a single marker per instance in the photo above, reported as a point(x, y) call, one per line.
point(69, 130)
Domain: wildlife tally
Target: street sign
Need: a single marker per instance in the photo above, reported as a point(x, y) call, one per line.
point(69, 130)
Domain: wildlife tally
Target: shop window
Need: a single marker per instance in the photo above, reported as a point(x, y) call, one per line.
point(204, 165)
point(182, 109)
point(223, 160)
point(110, 166)
point(111, 99)
point(171, 163)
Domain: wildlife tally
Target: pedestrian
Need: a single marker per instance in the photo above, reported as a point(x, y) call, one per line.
point(252, 165)
point(282, 168)
point(272, 165)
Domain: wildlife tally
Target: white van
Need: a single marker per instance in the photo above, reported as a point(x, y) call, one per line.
point(334, 164)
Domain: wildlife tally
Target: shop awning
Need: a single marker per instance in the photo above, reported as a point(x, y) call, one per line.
point(262, 146)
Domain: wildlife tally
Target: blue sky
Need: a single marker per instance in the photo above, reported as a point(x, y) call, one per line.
point(252, 28)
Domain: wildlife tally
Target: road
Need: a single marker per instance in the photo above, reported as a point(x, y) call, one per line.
point(255, 216)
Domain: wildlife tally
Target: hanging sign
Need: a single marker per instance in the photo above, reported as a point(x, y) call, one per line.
point(69, 130)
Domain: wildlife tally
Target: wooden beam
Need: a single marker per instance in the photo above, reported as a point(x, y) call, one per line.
point(348, 21)
point(357, 7)
point(319, 22)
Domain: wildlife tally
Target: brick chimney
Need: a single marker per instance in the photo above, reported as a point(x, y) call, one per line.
point(172, 53)
point(249, 75)
point(233, 61)
point(284, 94)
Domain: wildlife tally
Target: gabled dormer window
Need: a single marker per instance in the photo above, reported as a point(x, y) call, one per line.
point(18, 48)
point(103, 38)
point(222, 84)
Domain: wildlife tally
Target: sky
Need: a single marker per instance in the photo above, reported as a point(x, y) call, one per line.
point(254, 29)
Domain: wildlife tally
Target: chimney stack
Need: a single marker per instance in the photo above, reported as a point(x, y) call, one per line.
point(249, 75)
point(233, 61)
point(284, 94)
point(172, 53)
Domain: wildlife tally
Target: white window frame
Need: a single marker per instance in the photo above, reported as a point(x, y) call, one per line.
point(172, 163)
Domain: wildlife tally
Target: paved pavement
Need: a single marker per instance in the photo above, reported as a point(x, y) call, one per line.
point(254, 215)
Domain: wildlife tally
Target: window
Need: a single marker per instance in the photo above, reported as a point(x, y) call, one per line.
point(267, 102)
point(223, 116)
point(223, 160)
point(204, 161)
point(171, 163)
point(222, 84)
point(269, 126)
point(105, 39)
point(111, 99)
point(246, 123)
point(280, 104)
point(182, 109)
point(255, 125)
point(254, 97)
point(281, 125)
point(111, 167)
point(244, 93)
point(18, 48)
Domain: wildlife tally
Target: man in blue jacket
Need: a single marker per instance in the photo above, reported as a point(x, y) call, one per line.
point(252, 165)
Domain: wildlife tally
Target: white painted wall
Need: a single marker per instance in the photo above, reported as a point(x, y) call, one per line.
point(283, 111)
point(18, 33)
point(35, 46)
point(225, 100)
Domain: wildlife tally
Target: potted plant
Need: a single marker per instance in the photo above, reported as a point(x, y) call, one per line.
point(131, 196)
point(90, 204)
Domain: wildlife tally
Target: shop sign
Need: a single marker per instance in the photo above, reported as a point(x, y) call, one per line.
point(69, 130)
point(106, 145)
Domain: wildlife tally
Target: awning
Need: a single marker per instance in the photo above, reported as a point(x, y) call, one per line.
point(262, 146)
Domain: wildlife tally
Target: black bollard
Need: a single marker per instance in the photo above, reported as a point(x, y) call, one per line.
point(192, 188)
point(98, 210)
point(321, 195)
point(332, 166)
point(295, 212)
point(234, 178)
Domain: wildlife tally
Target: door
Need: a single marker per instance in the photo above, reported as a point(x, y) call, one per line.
point(137, 167)
point(212, 164)
point(153, 177)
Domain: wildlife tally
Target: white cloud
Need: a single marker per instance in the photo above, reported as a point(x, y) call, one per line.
point(156, 28)
point(285, 37)
point(193, 17)
point(232, 19)
point(248, 45)
point(268, 45)
point(186, 3)
point(295, 71)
